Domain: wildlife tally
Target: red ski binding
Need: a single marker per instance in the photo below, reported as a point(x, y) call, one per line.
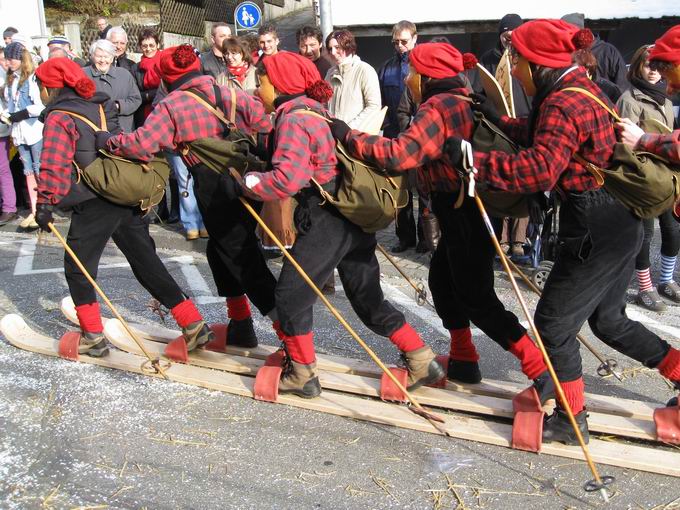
point(388, 390)
point(268, 376)
point(667, 421)
point(68, 345)
point(219, 344)
point(177, 350)
point(527, 427)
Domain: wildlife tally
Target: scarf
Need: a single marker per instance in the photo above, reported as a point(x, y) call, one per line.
point(152, 78)
point(239, 72)
point(434, 87)
point(656, 91)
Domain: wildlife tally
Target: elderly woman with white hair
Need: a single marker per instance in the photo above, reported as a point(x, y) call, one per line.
point(116, 82)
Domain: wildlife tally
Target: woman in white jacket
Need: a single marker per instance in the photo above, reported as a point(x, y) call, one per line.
point(356, 89)
point(22, 96)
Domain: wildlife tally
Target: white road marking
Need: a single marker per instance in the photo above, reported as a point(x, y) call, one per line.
point(647, 321)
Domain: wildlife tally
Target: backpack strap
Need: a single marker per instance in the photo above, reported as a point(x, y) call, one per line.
point(596, 99)
point(231, 122)
point(102, 119)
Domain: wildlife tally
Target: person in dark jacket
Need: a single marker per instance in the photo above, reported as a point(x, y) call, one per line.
point(94, 220)
point(118, 37)
point(146, 73)
point(310, 45)
point(304, 149)
point(103, 28)
point(598, 236)
point(213, 62)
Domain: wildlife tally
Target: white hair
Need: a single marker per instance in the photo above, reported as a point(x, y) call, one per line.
point(116, 30)
point(104, 45)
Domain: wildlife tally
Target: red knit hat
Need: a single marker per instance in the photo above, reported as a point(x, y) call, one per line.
point(550, 42)
point(440, 60)
point(667, 47)
point(291, 73)
point(177, 61)
point(60, 72)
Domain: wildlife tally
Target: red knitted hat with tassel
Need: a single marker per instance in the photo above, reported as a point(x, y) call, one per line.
point(440, 60)
point(60, 72)
point(667, 47)
point(177, 61)
point(291, 73)
point(550, 42)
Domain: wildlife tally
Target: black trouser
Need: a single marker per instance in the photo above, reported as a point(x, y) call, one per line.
point(332, 241)
point(670, 239)
point(96, 221)
point(406, 225)
point(233, 252)
point(461, 275)
point(598, 240)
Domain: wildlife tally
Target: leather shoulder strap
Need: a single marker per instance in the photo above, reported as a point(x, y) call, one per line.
point(596, 99)
point(310, 112)
point(102, 118)
point(217, 113)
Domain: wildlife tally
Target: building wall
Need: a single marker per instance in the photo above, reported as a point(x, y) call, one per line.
point(275, 9)
point(24, 15)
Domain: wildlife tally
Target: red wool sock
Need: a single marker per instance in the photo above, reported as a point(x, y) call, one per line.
point(406, 339)
point(185, 313)
point(529, 357)
point(301, 348)
point(462, 348)
point(238, 308)
point(574, 392)
point(89, 318)
point(670, 365)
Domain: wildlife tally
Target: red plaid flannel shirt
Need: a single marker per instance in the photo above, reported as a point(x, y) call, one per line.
point(421, 146)
point(179, 118)
point(568, 122)
point(56, 160)
point(666, 146)
point(303, 148)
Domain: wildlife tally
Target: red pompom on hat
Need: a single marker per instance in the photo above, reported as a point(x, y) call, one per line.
point(667, 47)
point(177, 61)
point(550, 42)
point(436, 60)
point(60, 72)
point(469, 61)
point(291, 73)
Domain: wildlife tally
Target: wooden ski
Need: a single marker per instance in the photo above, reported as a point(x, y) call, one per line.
point(661, 461)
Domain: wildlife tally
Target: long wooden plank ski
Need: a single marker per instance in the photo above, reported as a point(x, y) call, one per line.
point(327, 363)
point(370, 386)
point(660, 461)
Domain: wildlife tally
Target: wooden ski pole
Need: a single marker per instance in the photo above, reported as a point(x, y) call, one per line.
point(608, 366)
point(421, 292)
point(431, 417)
point(154, 362)
point(599, 483)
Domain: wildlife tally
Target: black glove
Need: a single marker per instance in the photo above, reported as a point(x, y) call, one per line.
point(101, 137)
point(453, 148)
point(485, 106)
point(231, 187)
point(340, 129)
point(19, 116)
point(537, 204)
point(43, 216)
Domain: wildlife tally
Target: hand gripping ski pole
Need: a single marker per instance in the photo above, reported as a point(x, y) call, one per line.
point(155, 363)
point(598, 483)
point(415, 405)
point(421, 291)
point(608, 366)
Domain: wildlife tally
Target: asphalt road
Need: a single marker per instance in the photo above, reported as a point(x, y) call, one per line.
point(78, 436)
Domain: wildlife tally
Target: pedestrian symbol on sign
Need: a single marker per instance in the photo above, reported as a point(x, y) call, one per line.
point(247, 16)
point(247, 19)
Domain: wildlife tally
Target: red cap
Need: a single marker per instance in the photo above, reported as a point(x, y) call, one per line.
point(550, 42)
point(291, 73)
point(60, 72)
point(667, 47)
point(440, 60)
point(177, 61)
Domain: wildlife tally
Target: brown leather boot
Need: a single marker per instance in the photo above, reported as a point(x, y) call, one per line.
point(422, 368)
point(93, 344)
point(301, 380)
point(196, 334)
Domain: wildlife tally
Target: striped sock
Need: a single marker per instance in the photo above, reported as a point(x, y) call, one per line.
point(667, 268)
point(644, 279)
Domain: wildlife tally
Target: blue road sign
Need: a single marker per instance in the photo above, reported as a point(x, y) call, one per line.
point(247, 15)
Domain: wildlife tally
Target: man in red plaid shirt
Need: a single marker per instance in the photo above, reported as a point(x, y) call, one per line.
point(304, 149)
point(598, 236)
point(233, 252)
point(461, 270)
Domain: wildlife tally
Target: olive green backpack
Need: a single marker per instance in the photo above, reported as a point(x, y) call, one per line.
point(367, 196)
point(645, 183)
point(120, 180)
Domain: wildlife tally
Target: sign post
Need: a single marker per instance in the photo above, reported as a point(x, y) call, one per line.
point(247, 17)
